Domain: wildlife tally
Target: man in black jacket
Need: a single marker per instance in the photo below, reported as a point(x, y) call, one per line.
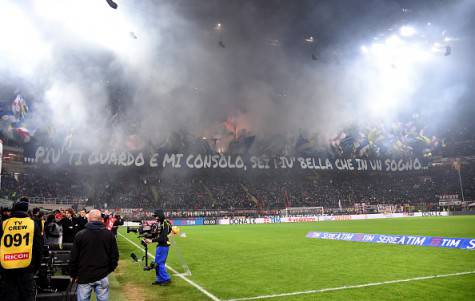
point(93, 257)
point(20, 254)
point(80, 221)
point(68, 226)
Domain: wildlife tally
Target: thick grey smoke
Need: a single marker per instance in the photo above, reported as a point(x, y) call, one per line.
point(154, 67)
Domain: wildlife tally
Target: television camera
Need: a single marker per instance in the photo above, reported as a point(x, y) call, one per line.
point(52, 280)
point(145, 228)
point(148, 229)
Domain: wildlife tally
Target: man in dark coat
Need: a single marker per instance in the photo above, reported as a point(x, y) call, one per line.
point(94, 256)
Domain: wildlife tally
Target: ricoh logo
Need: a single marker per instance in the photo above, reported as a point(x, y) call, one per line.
point(16, 256)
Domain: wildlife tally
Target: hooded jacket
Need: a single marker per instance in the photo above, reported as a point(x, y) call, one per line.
point(37, 244)
point(164, 229)
point(94, 254)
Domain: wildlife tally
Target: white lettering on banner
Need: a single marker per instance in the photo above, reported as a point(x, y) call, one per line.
point(52, 155)
point(49, 155)
point(338, 236)
point(239, 162)
point(368, 237)
point(375, 164)
point(209, 222)
point(451, 243)
point(260, 163)
point(112, 159)
point(93, 158)
point(222, 162)
point(240, 221)
point(344, 164)
point(224, 221)
point(314, 163)
point(169, 160)
point(419, 241)
point(214, 161)
point(40, 152)
point(153, 160)
point(174, 160)
point(362, 164)
point(411, 240)
point(287, 162)
point(104, 158)
point(139, 160)
point(401, 165)
point(347, 236)
point(388, 239)
point(472, 244)
point(188, 161)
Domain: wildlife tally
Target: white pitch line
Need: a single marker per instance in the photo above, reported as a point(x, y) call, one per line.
point(351, 286)
point(199, 287)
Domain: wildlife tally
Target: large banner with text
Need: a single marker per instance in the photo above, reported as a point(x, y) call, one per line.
point(407, 240)
point(52, 156)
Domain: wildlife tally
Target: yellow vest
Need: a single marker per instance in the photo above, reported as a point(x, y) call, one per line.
point(16, 245)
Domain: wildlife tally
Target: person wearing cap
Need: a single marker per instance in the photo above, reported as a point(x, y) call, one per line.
point(20, 253)
point(161, 253)
point(6, 214)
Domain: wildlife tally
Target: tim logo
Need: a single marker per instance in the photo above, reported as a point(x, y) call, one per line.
point(16, 256)
point(436, 241)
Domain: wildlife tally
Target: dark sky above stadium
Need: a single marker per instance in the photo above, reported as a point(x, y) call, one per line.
point(152, 67)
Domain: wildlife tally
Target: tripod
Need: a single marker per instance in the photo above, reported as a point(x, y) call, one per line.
point(152, 265)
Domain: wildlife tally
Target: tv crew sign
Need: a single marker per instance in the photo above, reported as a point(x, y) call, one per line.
point(16, 247)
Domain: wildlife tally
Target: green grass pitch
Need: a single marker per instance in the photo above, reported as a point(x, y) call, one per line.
point(239, 261)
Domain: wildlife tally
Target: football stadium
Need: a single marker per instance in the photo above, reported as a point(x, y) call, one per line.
point(237, 150)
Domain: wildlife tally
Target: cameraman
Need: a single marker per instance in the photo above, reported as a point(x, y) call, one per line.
point(161, 253)
point(20, 253)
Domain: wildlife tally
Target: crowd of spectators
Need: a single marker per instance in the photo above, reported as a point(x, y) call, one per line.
point(52, 184)
point(230, 189)
point(61, 225)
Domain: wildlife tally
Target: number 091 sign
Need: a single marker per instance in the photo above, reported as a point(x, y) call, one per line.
point(16, 244)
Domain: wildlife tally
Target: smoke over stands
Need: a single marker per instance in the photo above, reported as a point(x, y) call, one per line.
point(147, 69)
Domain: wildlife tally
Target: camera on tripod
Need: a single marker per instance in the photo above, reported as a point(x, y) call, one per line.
point(152, 265)
point(147, 230)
